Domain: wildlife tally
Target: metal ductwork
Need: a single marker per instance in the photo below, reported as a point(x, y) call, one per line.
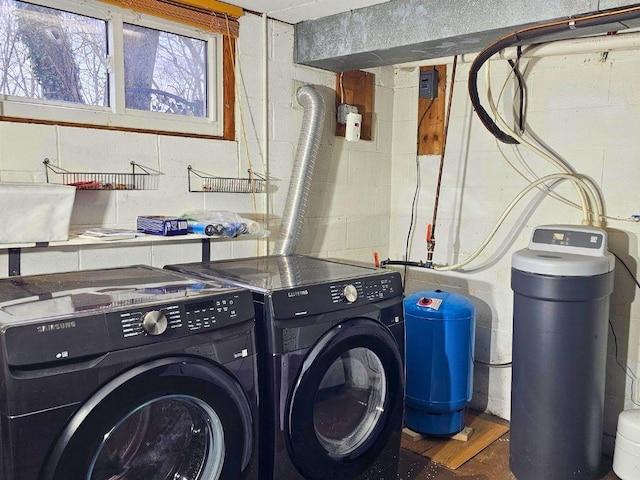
point(296, 205)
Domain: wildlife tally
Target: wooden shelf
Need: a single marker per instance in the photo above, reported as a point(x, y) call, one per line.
point(74, 240)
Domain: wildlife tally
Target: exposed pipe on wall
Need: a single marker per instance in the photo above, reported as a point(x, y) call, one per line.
point(265, 117)
point(601, 43)
point(573, 28)
point(596, 44)
point(296, 204)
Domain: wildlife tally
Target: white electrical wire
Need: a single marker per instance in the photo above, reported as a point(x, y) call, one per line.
point(584, 186)
point(588, 191)
point(533, 176)
point(628, 371)
point(633, 395)
point(265, 127)
point(545, 189)
point(238, 83)
point(587, 196)
point(483, 245)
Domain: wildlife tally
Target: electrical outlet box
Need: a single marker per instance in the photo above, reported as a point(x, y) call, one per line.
point(344, 110)
point(354, 124)
point(428, 86)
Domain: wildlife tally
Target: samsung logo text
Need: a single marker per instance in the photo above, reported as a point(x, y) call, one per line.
point(56, 326)
point(298, 293)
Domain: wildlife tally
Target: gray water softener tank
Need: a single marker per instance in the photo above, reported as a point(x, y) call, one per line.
point(561, 284)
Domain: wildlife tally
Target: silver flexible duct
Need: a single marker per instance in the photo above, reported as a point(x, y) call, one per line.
point(296, 204)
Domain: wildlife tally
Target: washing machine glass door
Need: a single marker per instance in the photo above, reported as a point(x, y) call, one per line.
point(174, 418)
point(341, 408)
point(173, 436)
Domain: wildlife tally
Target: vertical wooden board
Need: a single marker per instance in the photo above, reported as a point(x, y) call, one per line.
point(431, 117)
point(356, 88)
point(228, 88)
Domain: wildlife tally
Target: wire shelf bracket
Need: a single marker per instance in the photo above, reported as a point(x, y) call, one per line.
point(256, 183)
point(140, 178)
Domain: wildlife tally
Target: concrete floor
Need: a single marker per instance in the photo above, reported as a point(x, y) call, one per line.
point(490, 464)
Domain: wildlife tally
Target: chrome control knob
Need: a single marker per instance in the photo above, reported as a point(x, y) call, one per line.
point(154, 322)
point(349, 294)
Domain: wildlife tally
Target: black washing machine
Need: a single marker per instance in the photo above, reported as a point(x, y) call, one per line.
point(330, 345)
point(128, 373)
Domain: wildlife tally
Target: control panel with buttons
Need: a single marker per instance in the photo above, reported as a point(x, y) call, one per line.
point(180, 318)
point(326, 297)
point(124, 327)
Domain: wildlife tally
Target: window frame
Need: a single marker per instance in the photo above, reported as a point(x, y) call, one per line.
point(116, 116)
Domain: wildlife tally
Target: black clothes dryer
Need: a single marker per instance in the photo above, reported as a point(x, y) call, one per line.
point(128, 373)
point(330, 345)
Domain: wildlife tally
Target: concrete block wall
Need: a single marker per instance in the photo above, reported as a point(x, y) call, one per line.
point(585, 108)
point(350, 195)
point(348, 207)
point(24, 146)
point(362, 192)
point(348, 211)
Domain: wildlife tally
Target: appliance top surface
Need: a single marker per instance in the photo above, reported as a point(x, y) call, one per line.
point(272, 273)
point(50, 296)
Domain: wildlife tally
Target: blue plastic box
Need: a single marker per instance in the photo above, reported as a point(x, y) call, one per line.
point(161, 225)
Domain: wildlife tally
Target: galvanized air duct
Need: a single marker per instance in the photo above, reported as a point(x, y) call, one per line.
point(296, 204)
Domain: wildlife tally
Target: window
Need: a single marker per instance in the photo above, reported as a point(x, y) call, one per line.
point(164, 72)
point(96, 64)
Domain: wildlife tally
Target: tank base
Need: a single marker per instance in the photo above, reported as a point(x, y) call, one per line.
point(533, 470)
point(448, 423)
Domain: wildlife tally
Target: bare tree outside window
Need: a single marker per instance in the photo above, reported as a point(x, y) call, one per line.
point(164, 72)
point(93, 63)
point(15, 67)
point(50, 54)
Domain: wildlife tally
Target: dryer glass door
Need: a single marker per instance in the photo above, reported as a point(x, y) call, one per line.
point(349, 401)
point(346, 402)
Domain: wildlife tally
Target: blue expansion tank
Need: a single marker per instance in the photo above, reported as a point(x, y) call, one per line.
point(440, 333)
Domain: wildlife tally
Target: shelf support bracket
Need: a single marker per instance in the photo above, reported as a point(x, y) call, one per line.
point(206, 250)
point(14, 262)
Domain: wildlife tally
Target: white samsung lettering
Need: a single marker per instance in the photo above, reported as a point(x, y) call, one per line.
point(51, 327)
point(297, 293)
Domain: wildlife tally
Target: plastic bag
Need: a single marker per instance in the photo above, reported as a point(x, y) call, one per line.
point(222, 222)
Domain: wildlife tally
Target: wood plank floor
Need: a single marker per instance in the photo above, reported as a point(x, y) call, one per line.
point(492, 463)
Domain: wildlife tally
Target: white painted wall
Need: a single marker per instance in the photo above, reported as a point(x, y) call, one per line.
point(350, 195)
point(584, 107)
point(344, 219)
